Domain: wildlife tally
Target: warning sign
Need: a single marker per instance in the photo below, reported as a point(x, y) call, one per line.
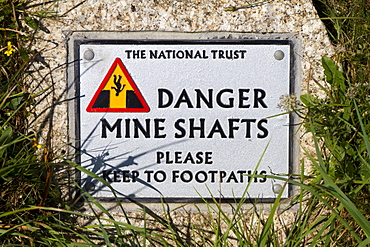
point(213, 128)
point(118, 93)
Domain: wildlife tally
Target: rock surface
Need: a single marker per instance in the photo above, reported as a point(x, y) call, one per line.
point(276, 16)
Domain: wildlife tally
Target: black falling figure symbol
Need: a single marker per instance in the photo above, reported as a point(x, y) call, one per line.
point(119, 87)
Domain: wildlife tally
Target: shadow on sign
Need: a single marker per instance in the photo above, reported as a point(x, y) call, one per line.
point(101, 165)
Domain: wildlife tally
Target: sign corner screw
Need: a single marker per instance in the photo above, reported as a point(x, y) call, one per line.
point(89, 55)
point(276, 188)
point(279, 55)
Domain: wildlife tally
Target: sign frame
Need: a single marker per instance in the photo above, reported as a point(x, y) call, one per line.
point(73, 72)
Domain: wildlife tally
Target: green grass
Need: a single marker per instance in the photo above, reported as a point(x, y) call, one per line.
point(332, 206)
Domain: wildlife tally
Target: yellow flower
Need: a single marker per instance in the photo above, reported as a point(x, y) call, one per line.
point(35, 144)
point(10, 49)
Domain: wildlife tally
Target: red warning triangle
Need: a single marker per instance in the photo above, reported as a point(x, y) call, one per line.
point(118, 93)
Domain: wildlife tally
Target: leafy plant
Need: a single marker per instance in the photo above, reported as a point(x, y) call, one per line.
point(24, 162)
point(341, 120)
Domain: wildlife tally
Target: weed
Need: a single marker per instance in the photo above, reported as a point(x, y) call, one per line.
point(23, 166)
point(341, 121)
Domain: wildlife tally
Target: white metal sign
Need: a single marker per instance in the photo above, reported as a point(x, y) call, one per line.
point(183, 119)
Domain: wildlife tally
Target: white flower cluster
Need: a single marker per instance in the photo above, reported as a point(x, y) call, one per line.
point(288, 102)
